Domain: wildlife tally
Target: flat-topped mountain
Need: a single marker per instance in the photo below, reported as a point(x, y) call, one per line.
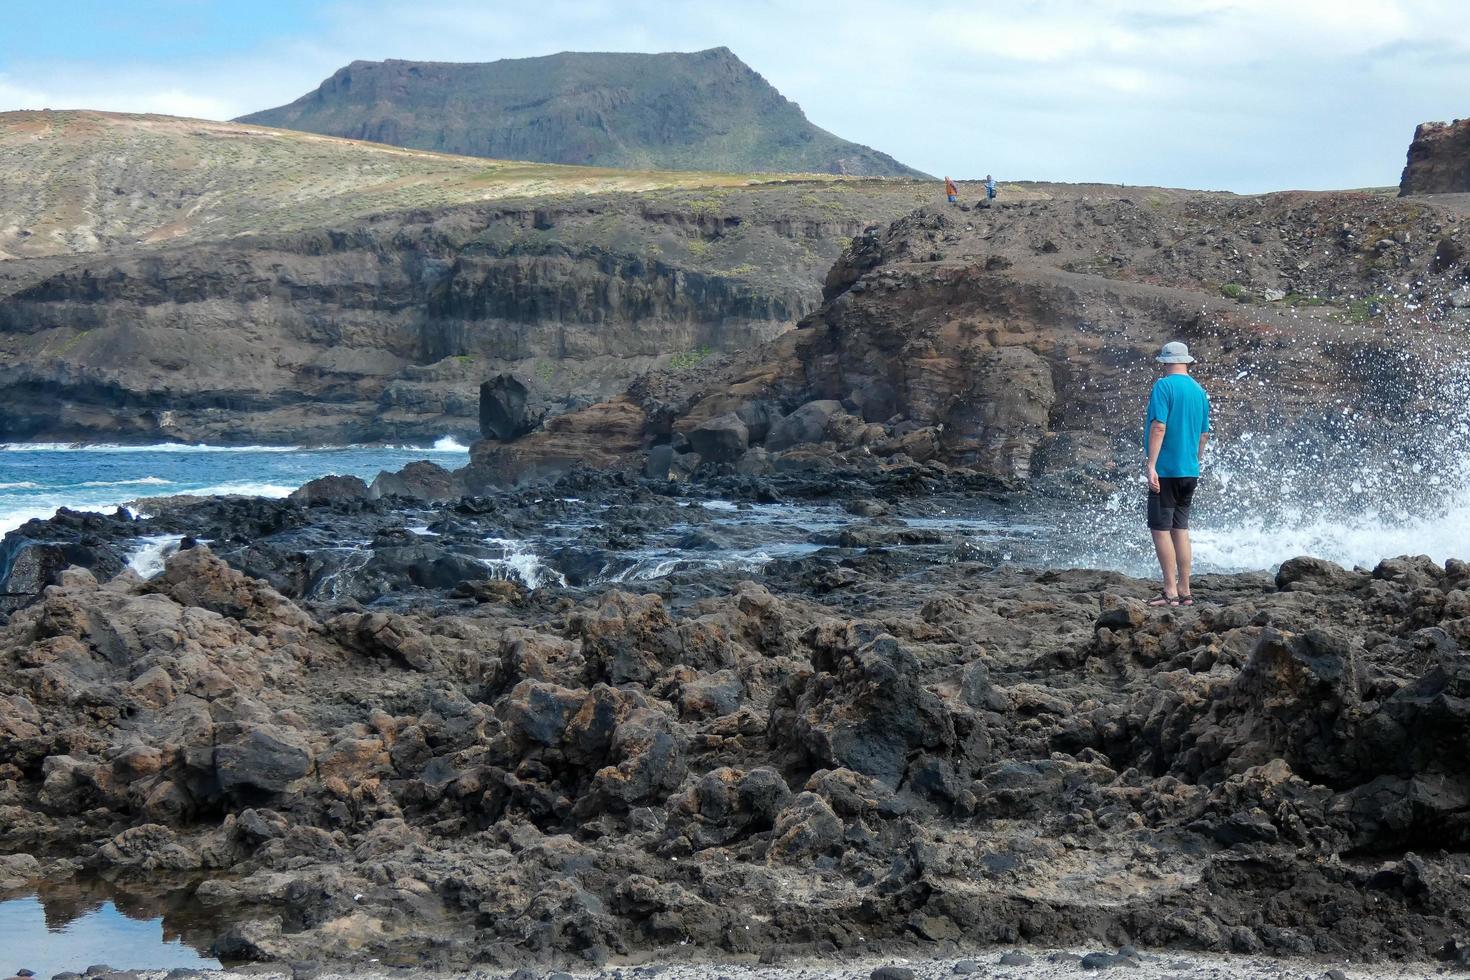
point(705, 110)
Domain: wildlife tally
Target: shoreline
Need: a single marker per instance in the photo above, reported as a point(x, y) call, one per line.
point(1016, 962)
point(365, 737)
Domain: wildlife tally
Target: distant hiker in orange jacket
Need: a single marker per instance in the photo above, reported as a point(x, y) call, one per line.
point(951, 191)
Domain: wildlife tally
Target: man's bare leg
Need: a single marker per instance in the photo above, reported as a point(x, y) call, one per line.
point(1183, 556)
point(1164, 548)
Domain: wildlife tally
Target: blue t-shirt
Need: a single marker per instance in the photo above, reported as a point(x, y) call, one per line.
point(1182, 405)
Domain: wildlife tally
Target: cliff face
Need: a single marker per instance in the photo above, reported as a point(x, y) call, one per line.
point(1439, 159)
point(1018, 342)
point(385, 330)
point(705, 110)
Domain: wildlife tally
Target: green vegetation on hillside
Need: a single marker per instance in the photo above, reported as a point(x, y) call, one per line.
point(88, 181)
point(705, 110)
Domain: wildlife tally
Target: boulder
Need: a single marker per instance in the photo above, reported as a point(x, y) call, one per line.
point(608, 435)
point(806, 829)
point(1310, 574)
point(805, 425)
point(728, 804)
point(421, 480)
point(264, 759)
point(330, 489)
point(722, 439)
point(28, 565)
point(758, 417)
point(865, 708)
point(503, 414)
point(659, 463)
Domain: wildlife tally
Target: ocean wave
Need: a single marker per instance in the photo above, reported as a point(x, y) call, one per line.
point(14, 518)
point(22, 485)
point(444, 444)
point(142, 481)
point(242, 488)
point(160, 447)
point(148, 554)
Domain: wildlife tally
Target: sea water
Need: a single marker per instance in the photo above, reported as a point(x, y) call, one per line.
point(1260, 502)
point(38, 478)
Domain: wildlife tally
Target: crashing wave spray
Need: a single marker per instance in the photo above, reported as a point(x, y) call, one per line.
point(1382, 470)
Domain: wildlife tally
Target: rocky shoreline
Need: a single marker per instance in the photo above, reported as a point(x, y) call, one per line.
point(780, 657)
point(880, 746)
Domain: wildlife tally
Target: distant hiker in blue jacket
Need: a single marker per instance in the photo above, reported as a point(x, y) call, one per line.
point(989, 188)
point(1176, 429)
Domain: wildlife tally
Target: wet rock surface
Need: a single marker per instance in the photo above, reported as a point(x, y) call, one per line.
point(886, 747)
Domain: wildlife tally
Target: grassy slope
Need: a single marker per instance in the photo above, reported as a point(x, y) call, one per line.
point(82, 181)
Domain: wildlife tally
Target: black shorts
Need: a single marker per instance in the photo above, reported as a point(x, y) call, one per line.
point(1168, 510)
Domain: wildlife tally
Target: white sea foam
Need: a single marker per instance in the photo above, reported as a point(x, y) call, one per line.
point(149, 553)
point(144, 481)
point(1253, 545)
point(161, 447)
point(243, 488)
point(444, 444)
point(21, 485)
point(518, 561)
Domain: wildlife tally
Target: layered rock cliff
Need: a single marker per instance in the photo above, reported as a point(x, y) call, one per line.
point(1439, 159)
point(383, 329)
point(1017, 341)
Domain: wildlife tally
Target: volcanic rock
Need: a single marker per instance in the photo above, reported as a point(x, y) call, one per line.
point(330, 489)
point(700, 110)
point(720, 440)
point(588, 772)
point(1439, 159)
point(422, 480)
point(503, 413)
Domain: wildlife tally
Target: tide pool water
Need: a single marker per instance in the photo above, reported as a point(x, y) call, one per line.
point(38, 478)
point(30, 939)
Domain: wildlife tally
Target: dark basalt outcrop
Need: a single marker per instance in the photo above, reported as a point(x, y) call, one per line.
point(988, 753)
point(703, 110)
point(1439, 159)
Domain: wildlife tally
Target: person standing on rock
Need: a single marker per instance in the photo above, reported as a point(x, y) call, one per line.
point(1177, 427)
point(951, 191)
point(989, 188)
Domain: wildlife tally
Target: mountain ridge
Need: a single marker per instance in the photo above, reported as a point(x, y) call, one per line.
point(704, 110)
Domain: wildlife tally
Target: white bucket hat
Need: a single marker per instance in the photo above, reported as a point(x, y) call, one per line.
point(1174, 352)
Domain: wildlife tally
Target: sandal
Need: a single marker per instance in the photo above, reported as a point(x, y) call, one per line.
point(1164, 599)
point(1186, 598)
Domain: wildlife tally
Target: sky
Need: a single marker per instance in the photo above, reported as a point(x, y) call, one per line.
point(1243, 95)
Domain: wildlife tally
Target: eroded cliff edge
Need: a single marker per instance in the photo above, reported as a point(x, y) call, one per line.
point(384, 328)
point(1017, 342)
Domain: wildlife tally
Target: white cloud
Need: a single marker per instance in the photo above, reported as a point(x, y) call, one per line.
point(1243, 94)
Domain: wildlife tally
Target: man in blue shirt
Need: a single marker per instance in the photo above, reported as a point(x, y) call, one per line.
point(1176, 429)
